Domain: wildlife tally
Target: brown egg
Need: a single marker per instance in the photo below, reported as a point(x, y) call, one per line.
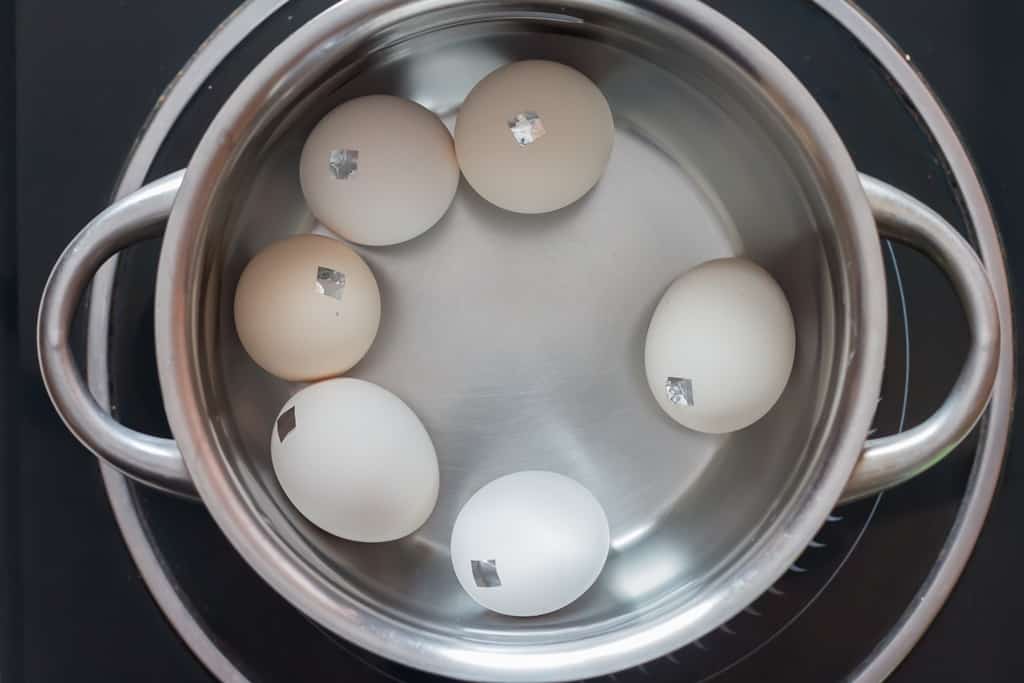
point(534, 136)
point(306, 308)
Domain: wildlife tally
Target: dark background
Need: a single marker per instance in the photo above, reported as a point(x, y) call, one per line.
point(78, 79)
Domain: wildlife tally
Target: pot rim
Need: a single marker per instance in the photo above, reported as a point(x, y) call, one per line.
point(332, 31)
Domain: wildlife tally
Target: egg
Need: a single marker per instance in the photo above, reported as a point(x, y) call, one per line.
point(379, 170)
point(720, 346)
point(355, 460)
point(534, 136)
point(307, 307)
point(529, 543)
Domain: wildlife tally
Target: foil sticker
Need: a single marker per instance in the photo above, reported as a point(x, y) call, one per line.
point(330, 282)
point(285, 423)
point(679, 391)
point(344, 163)
point(485, 573)
point(526, 127)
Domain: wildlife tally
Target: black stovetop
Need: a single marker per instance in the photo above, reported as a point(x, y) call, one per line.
point(87, 75)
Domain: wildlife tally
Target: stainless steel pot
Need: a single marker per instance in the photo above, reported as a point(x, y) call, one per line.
point(517, 339)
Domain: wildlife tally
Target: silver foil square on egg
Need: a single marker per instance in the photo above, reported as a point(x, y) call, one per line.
point(679, 391)
point(485, 573)
point(343, 163)
point(330, 282)
point(526, 127)
point(286, 423)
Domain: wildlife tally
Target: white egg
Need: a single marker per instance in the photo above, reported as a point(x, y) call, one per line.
point(720, 346)
point(355, 460)
point(529, 543)
point(534, 136)
point(307, 307)
point(379, 170)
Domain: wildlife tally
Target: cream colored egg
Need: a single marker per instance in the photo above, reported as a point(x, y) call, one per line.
point(355, 460)
point(534, 136)
point(720, 346)
point(379, 170)
point(307, 307)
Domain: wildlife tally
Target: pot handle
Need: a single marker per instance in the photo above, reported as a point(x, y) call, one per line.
point(890, 460)
point(152, 460)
